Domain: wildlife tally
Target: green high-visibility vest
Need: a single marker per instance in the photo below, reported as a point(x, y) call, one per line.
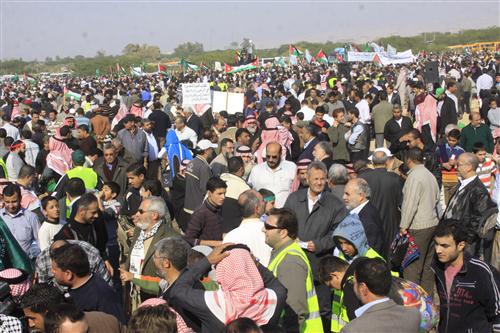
point(88, 176)
point(4, 168)
point(339, 311)
point(331, 82)
point(313, 322)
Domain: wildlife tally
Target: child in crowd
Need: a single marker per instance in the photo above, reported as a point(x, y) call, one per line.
point(51, 224)
point(487, 167)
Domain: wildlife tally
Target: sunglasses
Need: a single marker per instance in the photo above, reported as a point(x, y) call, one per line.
point(142, 211)
point(269, 157)
point(267, 226)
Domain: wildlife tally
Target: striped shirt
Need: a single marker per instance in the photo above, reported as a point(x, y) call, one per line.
point(485, 171)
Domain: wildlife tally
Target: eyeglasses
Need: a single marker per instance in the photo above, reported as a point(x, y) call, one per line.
point(142, 211)
point(268, 226)
point(272, 157)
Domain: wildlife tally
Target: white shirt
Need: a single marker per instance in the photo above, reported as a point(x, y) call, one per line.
point(359, 208)
point(308, 113)
point(485, 82)
point(465, 182)
point(359, 312)
point(12, 131)
point(250, 233)
point(310, 202)
point(364, 111)
point(279, 180)
point(46, 234)
point(187, 134)
point(31, 153)
point(153, 146)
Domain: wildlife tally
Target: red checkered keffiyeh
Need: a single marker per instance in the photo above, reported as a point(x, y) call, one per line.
point(182, 327)
point(242, 292)
point(17, 288)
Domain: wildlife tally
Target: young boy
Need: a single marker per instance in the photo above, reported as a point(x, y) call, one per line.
point(447, 156)
point(111, 210)
point(136, 174)
point(269, 199)
point(107, 196)
point(487, 168)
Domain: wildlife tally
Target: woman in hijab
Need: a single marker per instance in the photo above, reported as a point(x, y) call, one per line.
point(246, 289)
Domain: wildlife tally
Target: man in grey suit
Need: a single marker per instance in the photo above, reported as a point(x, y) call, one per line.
point(372, 282)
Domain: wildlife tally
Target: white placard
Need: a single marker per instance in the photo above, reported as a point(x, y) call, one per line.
point(219, 101)
point(235, 102)
point(195, 93)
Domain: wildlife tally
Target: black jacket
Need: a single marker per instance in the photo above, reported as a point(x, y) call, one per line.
point(448, 114)
point(392, 131)
point(162, 123)
point(370, 218)
point(195, 124)
point(469, 206)
point(308, 151)
point(473, 304)
point(387, 196)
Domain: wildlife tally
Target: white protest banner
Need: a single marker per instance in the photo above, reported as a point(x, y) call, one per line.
point(195, 93)
point(219, 101)
point(230, 102)
point(360, 56)
point(235, 102)
point(218, 66)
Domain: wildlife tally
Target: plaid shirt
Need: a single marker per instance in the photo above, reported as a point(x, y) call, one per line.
point(43, 265)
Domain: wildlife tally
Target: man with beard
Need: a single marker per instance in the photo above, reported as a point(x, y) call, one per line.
point(219, 164)
point(15, 161)
point(274, 174)
point(86, 224)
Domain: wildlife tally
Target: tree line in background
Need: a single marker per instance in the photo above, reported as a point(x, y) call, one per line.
point(148, 56)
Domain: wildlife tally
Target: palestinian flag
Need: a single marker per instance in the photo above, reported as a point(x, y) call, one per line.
point(295, 51)
point(68, 94)
point(321, 57)
point(235, 69)
point(204, 67)
point(376, 60)
point(162, 69)
point(187, 65)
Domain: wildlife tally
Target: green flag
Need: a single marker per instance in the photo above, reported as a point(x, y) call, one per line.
point(187, 65)
point(12, 255)
point(97, 72)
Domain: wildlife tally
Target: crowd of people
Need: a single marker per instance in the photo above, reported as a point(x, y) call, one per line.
point(343, 198)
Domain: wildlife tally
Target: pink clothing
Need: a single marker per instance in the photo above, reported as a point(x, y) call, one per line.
point(137, 111)
point(426, 113)
point(449, 274)
point(59, 158)
point(242, 292)
point(274, 132)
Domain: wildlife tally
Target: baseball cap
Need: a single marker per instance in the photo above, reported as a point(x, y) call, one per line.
point(205, 144)
point(78, 157)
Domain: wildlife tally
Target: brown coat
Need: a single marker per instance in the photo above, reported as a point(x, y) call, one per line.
point(100, 125)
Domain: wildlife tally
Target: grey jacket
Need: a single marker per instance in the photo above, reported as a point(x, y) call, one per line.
point(318, 225)
point(387, 317)
point(420, 197)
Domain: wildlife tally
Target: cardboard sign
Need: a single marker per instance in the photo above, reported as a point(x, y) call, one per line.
point(196, 93)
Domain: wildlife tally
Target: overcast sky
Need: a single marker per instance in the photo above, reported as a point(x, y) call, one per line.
point(36, 29)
